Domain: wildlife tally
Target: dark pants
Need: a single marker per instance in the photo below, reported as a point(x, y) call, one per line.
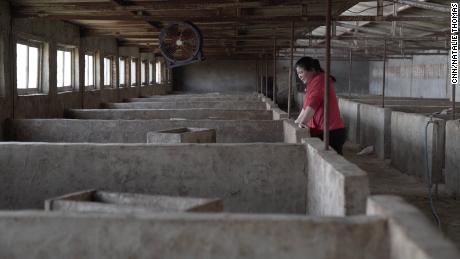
point(337, 138)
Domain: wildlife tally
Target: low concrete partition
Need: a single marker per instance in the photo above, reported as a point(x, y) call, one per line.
point(227, 105)
point(375, 129)
point(294, 134)
point(408, 151)
point(146, 114)
point(33, 234)
point(261, 178)
point(167, 98)
point(453, 156)
point(130, 203)
point(335, 186)
point(410, 234)
point(279, 114)
point(419, 109)
point(349, 111)
point(257, 178)
point(135, 131)
point(182, 135)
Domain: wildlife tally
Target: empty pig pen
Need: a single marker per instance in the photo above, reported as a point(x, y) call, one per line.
point(391, 229)
point(255, 178)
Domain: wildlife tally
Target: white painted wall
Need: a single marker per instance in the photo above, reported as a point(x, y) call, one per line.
point(421, 77)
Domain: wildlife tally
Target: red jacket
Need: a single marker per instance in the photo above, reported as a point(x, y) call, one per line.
point(314, 97)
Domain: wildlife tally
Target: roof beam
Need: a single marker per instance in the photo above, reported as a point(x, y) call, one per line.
point(273, 19)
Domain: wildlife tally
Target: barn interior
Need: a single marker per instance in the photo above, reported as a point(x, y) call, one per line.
point(165, 129)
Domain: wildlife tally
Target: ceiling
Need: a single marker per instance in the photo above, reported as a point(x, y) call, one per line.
point(248, 28)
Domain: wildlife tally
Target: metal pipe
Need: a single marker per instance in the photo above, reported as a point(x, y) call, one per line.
point(453, 101)
point(261, 77)
point(384, 68)
point(266, 76)
point(257, 75)
point(274, 71)
point(327, 76)
point(291, 68)
point(349, 73)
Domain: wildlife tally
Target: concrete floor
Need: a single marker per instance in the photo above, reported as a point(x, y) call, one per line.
point(383, 179)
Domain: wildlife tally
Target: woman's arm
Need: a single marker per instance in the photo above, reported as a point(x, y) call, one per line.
point(306, 116)
point(300, 116)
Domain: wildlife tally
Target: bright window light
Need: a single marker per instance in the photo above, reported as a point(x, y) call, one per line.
point(121, 69)
point(107, 71)
point(27, 66)
point(158, 72)
point(89, 70)
point(64, 68)
point(151, 78)
point(133, 72)
point(143, 79)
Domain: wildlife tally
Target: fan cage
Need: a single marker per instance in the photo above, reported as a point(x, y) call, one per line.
point(180, 43)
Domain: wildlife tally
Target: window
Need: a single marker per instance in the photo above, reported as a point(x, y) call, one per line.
point(143, 67)
point(89, 71)
point(108, 71)
point(28, 59)
point(151, 78)
point(133, 72)
point(122, 71)
point(158, 72)
point(64, 69)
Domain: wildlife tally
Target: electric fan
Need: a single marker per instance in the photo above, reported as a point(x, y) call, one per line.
point(181, 44)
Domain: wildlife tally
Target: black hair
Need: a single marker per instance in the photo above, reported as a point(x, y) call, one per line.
point(309, 64)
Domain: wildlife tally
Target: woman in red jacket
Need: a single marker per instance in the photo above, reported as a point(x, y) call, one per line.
point(312, 115)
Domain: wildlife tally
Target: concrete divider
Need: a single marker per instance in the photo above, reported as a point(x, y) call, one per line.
point(135, 131)
point(168, 98)
point(129, 203)
point(453, 156)
point(262, 178)
point(277, 178)
point(411, 235)
point(146, 114)
point(335, 186)
point(350, 114)
point(279, 114)
point(375, 129)
point(227, 105)
point(408, 151)
point(57, 235)
point(292, 132)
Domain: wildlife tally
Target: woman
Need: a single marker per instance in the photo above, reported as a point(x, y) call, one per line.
point(312, 115)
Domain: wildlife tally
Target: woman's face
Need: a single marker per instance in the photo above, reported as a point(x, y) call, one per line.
point(304, 75)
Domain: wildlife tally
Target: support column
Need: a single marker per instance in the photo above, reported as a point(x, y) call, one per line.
point(453, 101)
point(349, 72)
point(291, 70)
point(274, 72)
point(327, 80)
point(266, 75)
point(384, 72)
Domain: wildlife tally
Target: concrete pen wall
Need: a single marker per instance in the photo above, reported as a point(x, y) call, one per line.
point(252, 178)
point(135, 131)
